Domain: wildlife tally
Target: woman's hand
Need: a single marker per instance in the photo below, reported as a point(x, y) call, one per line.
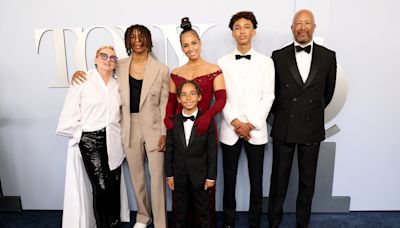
point(78, 77)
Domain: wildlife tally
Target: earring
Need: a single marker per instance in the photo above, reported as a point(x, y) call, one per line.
point(113, 74)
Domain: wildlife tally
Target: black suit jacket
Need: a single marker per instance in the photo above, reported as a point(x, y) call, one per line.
point(298, 107)
point(197, 161)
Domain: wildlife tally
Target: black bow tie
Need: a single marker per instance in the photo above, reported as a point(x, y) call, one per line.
point(184, 118)
point(306, 49)
point(243, 56)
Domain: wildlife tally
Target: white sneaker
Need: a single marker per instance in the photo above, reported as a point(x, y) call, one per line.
point(139, 225)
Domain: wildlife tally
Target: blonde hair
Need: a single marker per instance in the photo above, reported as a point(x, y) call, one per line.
point(104, 47)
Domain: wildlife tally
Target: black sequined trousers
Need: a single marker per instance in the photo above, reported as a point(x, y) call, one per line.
point(105, 182)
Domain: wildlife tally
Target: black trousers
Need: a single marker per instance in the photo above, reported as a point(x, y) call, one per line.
point(307, 155)
point(255, 159)
point(105, 182)
point(192, 215)
point(186, 197)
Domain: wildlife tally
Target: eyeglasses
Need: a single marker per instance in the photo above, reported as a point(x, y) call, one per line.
point(106, 57)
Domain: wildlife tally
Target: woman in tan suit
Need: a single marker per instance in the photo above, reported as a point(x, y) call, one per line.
point(144, 84)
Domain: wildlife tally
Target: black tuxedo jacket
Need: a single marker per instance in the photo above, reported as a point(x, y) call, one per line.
point(197, 161)
point(298, 107)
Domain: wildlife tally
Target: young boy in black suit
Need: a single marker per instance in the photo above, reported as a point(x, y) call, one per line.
point(191, 160)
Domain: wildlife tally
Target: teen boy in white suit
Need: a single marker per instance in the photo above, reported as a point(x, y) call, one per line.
point(249, 79)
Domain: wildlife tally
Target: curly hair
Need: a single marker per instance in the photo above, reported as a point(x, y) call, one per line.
point(243, 14)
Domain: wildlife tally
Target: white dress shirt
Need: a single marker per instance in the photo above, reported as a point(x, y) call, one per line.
point(303, 60)
point(88, 107)
point(188, 125)
point(91, 106)
point(250, 92)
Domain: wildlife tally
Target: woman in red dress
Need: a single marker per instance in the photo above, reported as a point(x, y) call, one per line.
point(211, 81)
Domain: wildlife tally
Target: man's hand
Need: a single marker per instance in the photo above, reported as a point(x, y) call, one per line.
point(170, 183)
point(161, 143)
point(209, 184)
point(78, 77)
point(243, 131)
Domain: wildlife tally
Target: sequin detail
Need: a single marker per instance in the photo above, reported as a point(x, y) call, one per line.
point(93, 143)
point(105, 182)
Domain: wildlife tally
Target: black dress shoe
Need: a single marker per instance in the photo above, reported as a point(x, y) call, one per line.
point(273, 225)
point(227, 226)
point(301, 225)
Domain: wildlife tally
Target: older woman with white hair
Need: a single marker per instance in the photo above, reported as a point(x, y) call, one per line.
point(91, 118)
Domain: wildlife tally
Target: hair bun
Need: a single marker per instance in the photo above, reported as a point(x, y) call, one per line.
point(185, 24)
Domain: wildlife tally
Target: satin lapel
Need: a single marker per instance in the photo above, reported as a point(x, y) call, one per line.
point(123, 79)
point(181, 130)
point(233, 80)
point(150, 73)
point(314, 65)
point(192, 136)
point(293, 66)
point(193, 133)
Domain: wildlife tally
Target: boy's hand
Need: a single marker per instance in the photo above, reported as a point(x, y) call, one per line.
point(170, 182)
point(209, 184)
point(243, 131)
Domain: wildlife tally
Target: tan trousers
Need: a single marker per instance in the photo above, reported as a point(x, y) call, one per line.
point(136, 155)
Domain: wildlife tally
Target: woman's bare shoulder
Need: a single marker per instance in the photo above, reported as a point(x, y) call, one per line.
point(180, 70)
point(211, 66)
point(214, 67)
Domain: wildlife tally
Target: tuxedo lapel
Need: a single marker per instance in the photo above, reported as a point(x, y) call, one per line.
point(234, 67)
point(193, 133)
point(192, 136)
point(314, 65)
point(150, 73)
point(181, 130)
point(293, 66)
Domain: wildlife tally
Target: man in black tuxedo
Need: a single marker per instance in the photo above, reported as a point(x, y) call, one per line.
point(191, 159)
point(305, 76)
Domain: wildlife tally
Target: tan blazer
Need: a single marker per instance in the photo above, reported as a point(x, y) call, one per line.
point(153, 101)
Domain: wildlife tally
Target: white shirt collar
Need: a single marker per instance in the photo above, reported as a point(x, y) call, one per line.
point(303, 45)
point(237, 52)
point(193, 114)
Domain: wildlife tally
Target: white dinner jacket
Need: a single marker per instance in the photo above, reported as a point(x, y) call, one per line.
point(249, 98)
